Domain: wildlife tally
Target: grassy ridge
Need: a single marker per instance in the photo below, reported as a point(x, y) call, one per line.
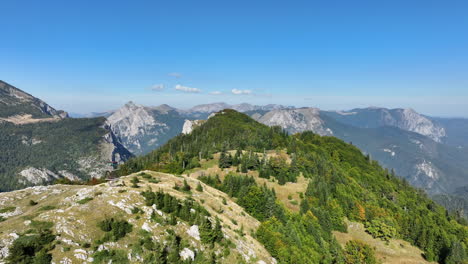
point(344, 183)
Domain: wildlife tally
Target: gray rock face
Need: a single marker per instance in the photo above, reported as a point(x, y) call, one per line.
point(295, 120)
point(189, 125)
point(405, 119)
point(243, 107)
point(142, 129)
point(410, 120)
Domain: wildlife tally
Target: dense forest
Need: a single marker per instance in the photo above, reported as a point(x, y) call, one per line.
point(54, 146)
point(343, 183)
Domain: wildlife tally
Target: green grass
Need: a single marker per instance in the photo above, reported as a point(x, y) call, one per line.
point(7, 209)
point(41, 225)
point(85, 200)
point(47, 208)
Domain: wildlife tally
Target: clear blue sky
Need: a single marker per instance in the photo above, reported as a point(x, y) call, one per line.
point(85, 56)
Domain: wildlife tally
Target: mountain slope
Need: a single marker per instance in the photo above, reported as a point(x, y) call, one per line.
point(140, 230)
point(142, 129)
point(456, 130)
point(295, 120)
point(15, 102)
point(343, 183)
point(39, 144)
point(433, 166)
point(40, 153)
point(405, 119)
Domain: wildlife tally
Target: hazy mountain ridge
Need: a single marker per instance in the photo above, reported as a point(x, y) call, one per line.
point(405, 119)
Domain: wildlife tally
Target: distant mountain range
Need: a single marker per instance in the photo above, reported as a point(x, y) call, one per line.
point(431, 153)
point(39, 144)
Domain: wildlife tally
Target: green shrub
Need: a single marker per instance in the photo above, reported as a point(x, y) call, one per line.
point(379, 229)
point(47, 208)
point(199, 187)
point(85, 200)
point(31, 249)
point(115, 229)
point(106, 256)
point(356, 252)
point(135, 182)
point(41, 225)
point(7, 209)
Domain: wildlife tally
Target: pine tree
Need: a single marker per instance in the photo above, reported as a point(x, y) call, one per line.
point(217, 232)
point(199, 187)
point(206, 232)
point(457, 254)
point(186, 187)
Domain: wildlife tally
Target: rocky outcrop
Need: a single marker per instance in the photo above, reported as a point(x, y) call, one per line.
point(295, 120)
point(118, 153)
point(74, 211)
point(410, 120)
point(189, 125)
point(141, 129)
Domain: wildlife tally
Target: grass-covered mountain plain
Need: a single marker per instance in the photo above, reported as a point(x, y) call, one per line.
point(342, 184)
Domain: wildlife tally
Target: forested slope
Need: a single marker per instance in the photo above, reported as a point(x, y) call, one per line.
point(343, 184)
point(39, 153)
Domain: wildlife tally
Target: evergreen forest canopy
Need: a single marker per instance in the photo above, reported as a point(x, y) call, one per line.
point(55, 146)
point(343, 184)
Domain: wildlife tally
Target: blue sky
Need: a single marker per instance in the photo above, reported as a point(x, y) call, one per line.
point(85, 56)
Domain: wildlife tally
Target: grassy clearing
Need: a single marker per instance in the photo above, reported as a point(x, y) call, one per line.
point(288, 194)
point(395, 252)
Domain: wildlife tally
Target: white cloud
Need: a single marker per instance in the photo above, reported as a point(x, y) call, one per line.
point(216, 93)
point(239, 92)
point(157, 87)
point(175, 74)
point(187, 89)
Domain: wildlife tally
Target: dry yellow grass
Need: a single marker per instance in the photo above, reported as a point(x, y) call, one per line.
point(283, 192)
point(395, 252)
point(75, 223)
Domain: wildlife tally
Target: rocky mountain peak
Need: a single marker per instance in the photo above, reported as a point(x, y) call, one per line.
point(413, 121)
point(295, 120)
